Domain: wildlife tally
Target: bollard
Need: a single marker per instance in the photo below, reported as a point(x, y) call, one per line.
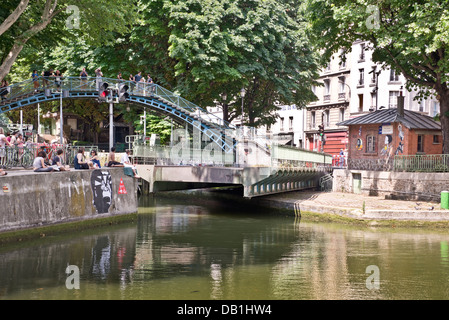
point(444, 199)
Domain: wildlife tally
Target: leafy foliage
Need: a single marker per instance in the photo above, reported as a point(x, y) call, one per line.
point(412, 38)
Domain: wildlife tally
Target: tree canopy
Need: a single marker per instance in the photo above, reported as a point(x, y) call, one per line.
point(411, 37)
point(200, 49)
point(43, 23)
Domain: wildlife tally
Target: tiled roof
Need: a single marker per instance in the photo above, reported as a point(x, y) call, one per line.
point(411, 119)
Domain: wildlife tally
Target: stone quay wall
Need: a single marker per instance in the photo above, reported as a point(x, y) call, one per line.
point(396, 185)
point(29, 199)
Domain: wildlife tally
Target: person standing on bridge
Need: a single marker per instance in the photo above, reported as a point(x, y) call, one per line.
point(35, 78)
point(83, 77)
point(58, 79)
point(150, 84)
point(47, 74)
point(131, 79)
point(99, 76)
point(137, 79)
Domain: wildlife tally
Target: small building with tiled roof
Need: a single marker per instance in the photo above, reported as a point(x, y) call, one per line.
point(385, 133)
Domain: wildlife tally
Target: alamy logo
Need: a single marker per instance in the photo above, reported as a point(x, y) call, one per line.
point(73, 277)
point(373, 21)
point(373, 280)
point(72, 21)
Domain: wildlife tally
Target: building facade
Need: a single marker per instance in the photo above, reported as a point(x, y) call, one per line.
point(377, 137)
point(331, 107)
point(375, 87)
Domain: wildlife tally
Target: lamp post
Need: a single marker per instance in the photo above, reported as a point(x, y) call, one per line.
point(61, 120)
point(242, 94)
point(224, 96)
point(144, 124)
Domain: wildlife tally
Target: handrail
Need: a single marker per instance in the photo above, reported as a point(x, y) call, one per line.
point(92, 84)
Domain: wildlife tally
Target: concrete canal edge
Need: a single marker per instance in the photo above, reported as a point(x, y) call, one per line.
point(392, 218)
point(37, 204)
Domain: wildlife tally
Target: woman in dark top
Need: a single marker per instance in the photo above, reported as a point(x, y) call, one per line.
point(80, 161)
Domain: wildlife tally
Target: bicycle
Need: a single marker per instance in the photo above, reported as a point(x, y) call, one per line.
point(18, 157)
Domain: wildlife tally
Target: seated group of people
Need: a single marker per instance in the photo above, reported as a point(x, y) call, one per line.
point(39, 164)
point(81, 162)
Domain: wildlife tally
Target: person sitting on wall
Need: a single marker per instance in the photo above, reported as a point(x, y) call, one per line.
point(57, 161)
point(111, 159)
point(80, 161)
point(127, 163)
point(39, 163)
point(95, 159)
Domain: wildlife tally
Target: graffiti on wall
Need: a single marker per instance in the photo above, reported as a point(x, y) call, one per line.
point(101, 183)
point(387, 149)
point(359, 145)
point(400, 147)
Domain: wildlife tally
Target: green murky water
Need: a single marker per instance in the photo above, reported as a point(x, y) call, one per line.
point(178, 250)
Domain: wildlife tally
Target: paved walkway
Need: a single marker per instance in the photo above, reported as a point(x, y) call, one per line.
point(360, 206)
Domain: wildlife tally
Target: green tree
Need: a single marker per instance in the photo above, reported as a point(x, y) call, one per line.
point(157, 125)
point(217, 47)
point(44, 21)
point(411, 37)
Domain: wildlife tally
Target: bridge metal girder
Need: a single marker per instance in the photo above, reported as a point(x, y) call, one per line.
point(152, 102)
point(283, 180)
point(212, 134)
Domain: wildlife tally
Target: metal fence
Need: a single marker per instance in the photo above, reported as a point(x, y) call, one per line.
point(403, 163)
point(422, 163)
point(23, 157)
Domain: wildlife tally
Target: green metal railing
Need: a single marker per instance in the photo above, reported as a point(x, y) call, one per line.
point(422, 163)
point(16, 157)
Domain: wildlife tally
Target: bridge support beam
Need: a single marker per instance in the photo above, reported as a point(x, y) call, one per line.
point(256, 181)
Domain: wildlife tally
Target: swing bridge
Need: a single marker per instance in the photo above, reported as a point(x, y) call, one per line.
point(206, 152)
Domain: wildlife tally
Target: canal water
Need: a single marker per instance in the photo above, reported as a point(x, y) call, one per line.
point(192, 247)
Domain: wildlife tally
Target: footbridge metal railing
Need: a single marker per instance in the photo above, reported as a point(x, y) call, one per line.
point(43, 89)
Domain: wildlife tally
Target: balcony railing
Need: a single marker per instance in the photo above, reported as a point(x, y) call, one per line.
point(342, 95)
point(327, 97)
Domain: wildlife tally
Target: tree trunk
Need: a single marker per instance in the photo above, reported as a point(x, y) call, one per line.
point(444, 117)
point(12, 18)
point(11, 58)
point(48, 14)
point(225, 112)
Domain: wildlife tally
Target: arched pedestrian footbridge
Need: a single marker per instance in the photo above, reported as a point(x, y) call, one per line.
point(233, 156)
point(152, 96)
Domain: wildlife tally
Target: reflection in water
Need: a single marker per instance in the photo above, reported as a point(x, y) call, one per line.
point(184, 251)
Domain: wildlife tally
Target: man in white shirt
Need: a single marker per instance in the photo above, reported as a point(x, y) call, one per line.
point(127, 163)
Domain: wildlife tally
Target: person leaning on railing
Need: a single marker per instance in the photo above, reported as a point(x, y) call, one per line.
point(3, 143)
point(83, 78)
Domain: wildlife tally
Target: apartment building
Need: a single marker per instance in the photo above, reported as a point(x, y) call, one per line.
point(289, 129)
point(332, 106)
point(376, 87)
